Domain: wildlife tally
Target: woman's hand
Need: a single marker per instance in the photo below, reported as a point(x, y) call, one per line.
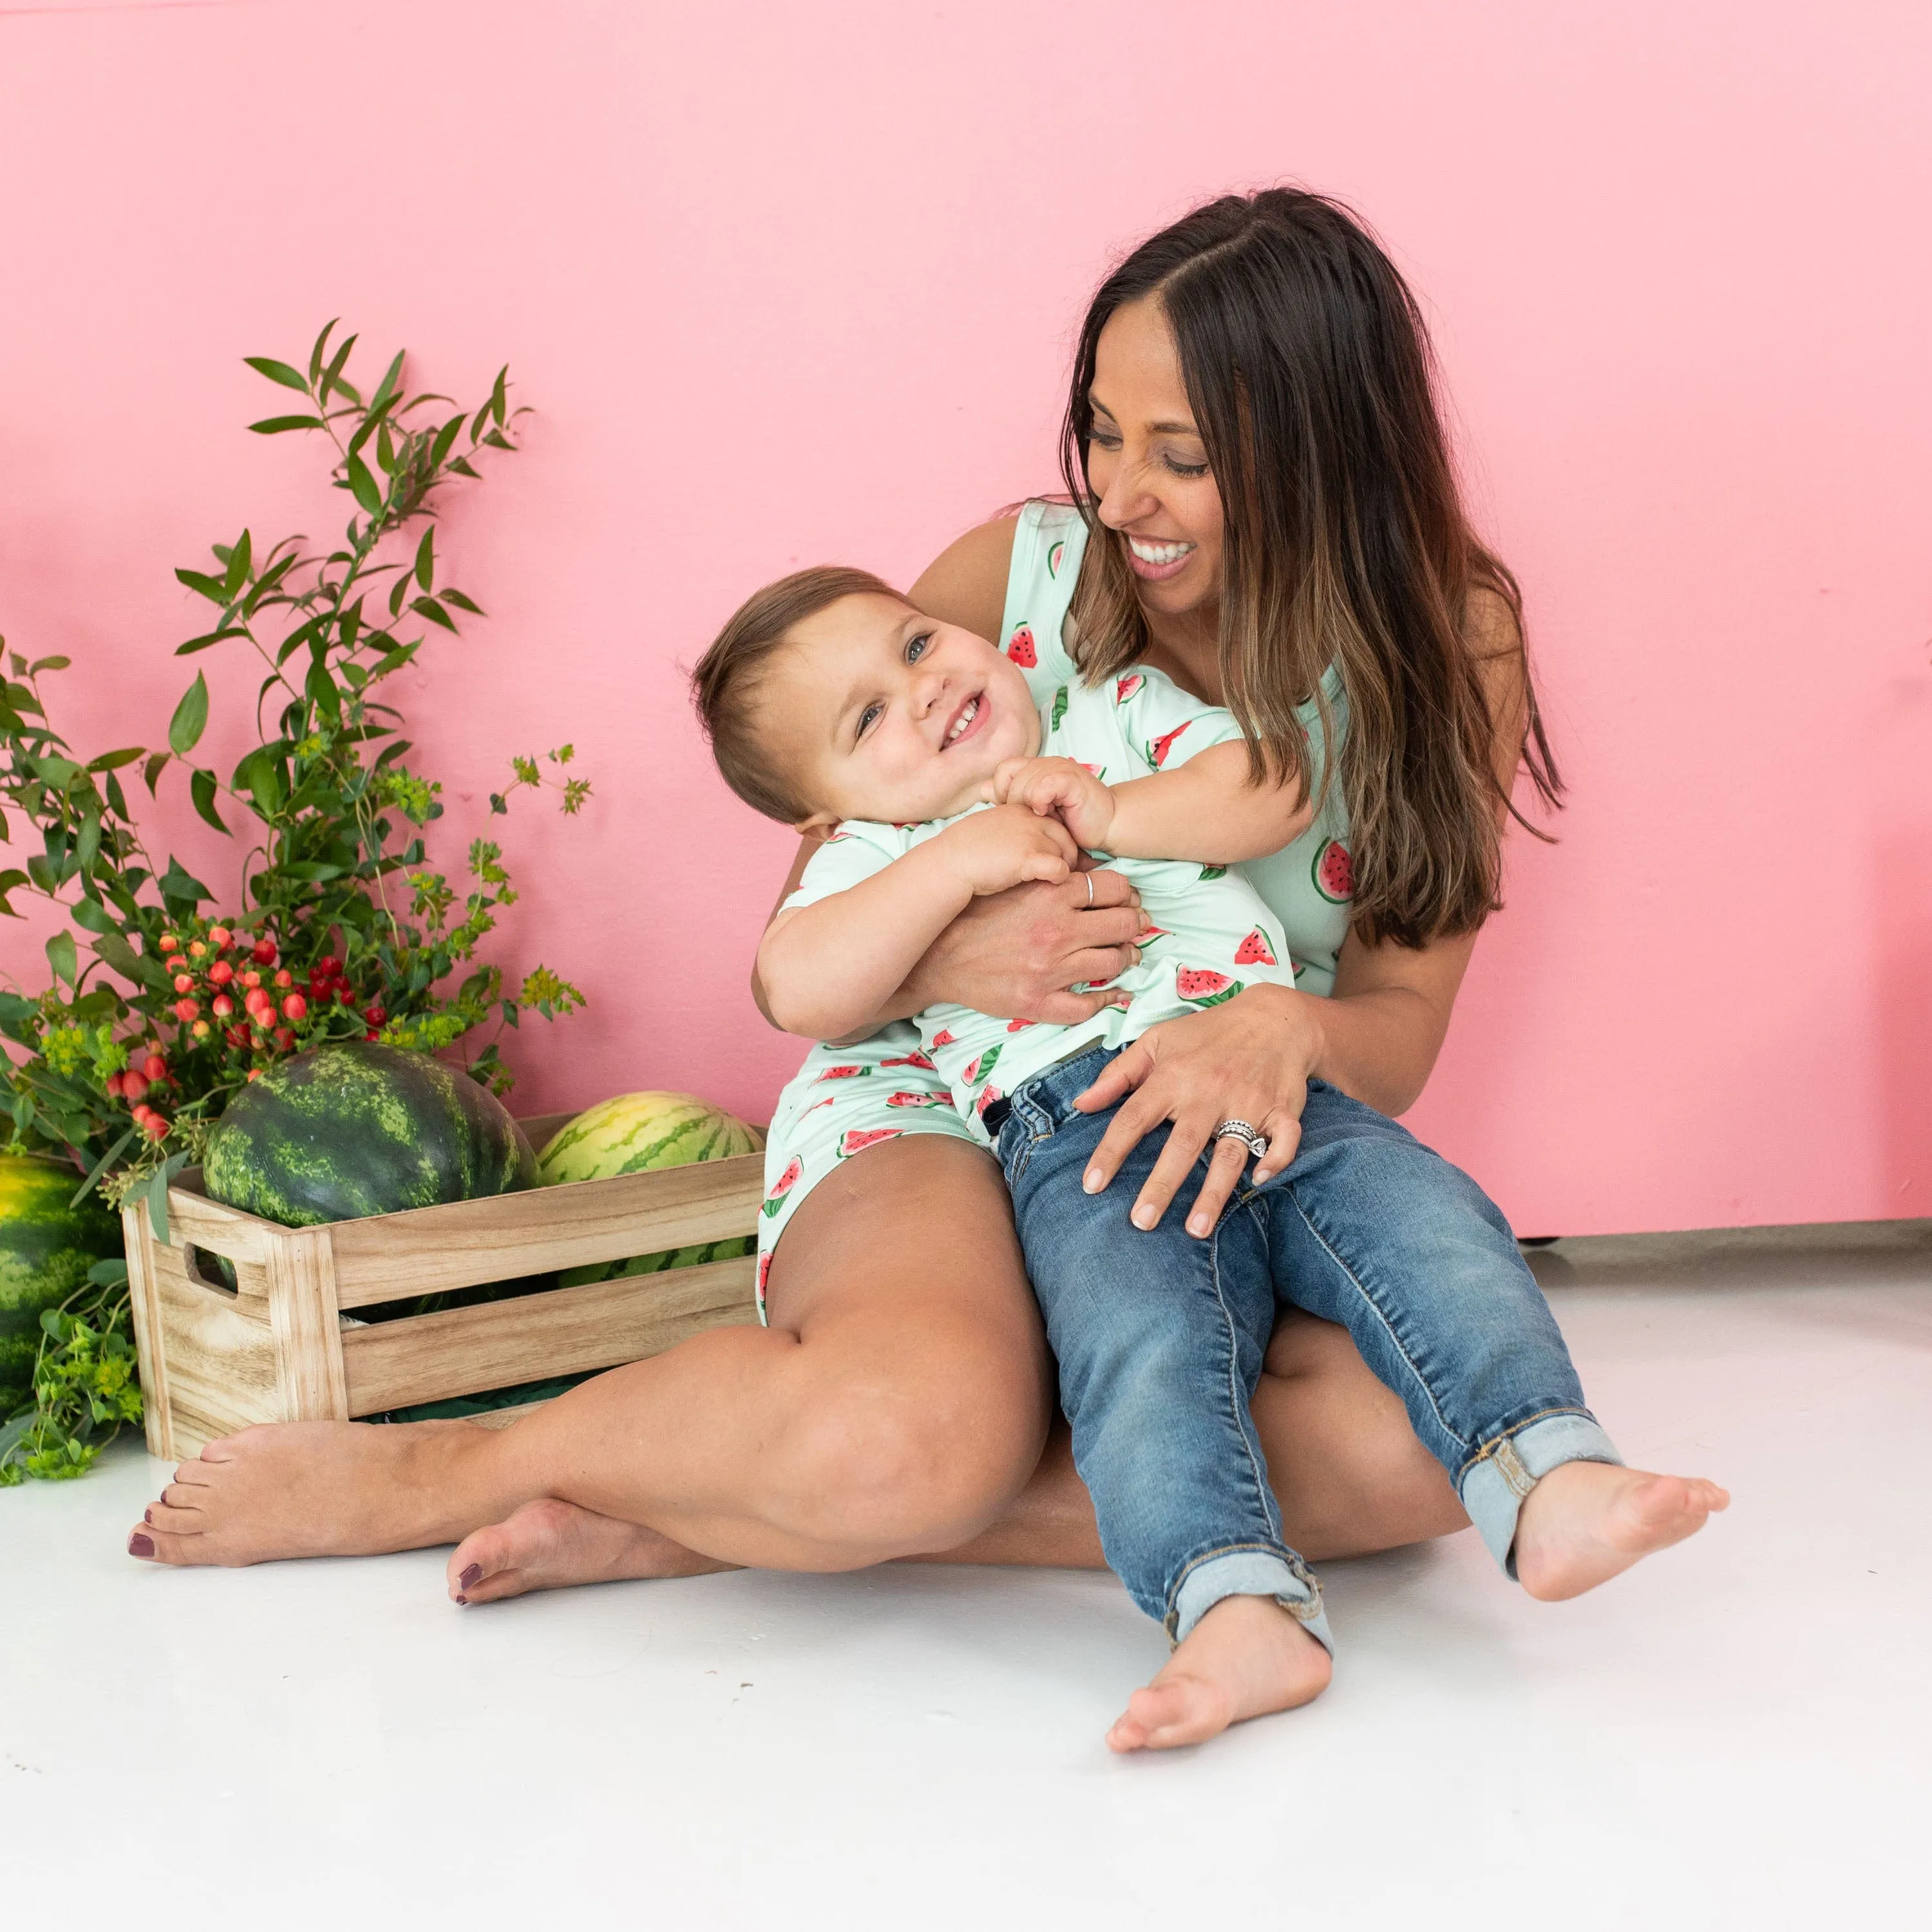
point(1249, 1059)
point(1017, 954)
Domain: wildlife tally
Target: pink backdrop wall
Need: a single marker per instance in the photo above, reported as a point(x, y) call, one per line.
point(796, 283)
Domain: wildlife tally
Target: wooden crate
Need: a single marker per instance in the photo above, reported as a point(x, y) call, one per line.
point(277, 1348)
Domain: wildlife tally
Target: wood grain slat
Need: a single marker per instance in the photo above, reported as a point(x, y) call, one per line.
point(143, 1294)
point(308, 1334)
point(467, 1242)
point(194, 1219)
point(568, 1331)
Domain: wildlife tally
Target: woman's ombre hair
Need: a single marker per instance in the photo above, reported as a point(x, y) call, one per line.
point(1308, 368)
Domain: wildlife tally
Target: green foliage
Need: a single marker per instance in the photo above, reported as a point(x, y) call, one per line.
point(159, 1006)
point(85, 1389)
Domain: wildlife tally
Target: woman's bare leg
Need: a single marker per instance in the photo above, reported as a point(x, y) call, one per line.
point(1347, 1467)
point(899, 1403)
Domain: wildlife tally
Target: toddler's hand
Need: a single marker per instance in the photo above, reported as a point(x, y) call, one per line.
point(1069, 791)
point(1006, 846)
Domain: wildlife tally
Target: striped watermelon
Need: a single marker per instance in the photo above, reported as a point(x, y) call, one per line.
point(45, 1249)
point(361, 1129)
point(636, 1131)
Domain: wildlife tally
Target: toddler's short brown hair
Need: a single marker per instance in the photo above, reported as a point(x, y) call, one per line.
point(725, 684)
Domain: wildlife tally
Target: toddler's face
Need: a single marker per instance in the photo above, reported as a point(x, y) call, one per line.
point(886, 714)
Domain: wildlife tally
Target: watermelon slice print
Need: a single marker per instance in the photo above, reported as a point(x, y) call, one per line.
point(860, 1138)
point(1255, 951)
point(912, 1099)
point(1059, 709)
point(1152, 932)
point(1129, 687)
point(1020, 649)
point(1156, 752)
point(1333, 872)
point(783, 1186)
point(986, 1099)
point(1213, 871)
point(1300, 968)
point(764, 1272)
point(982, 1065)
point(944, 1037)
point(1017, 1026)
point(844, 1073)
point(913, 1059)
point(1094, 771)
point(1053, 557)
point(1201, 986)
point(816, 1104)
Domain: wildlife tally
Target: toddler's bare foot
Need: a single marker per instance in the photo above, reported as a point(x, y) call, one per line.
point(312, 1488)
point(1585, 1522)
point(548, 1545)
point(1245, 1657)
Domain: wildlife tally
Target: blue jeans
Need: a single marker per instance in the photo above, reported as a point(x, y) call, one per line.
point(1160, 1337)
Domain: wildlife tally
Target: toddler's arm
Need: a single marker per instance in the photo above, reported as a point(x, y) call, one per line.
point(828, 966)
point(1206, 809)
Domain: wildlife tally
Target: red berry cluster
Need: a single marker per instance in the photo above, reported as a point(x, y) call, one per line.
point(233, 992)
point(247, 998)
point(132, 1087)
point(327, 987)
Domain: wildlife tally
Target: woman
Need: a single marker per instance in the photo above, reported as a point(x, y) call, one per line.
point(1266, 511)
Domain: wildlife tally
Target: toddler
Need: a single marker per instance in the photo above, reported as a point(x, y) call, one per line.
point(912, 751)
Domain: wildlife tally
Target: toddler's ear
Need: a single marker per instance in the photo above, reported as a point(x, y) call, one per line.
point(819, 827)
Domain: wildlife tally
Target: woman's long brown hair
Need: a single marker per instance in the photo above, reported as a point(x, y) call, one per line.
point(1308, 367)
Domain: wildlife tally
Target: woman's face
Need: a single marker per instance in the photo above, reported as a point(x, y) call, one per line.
point(1147, 465)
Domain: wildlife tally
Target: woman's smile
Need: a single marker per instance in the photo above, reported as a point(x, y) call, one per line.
point(1155, 559)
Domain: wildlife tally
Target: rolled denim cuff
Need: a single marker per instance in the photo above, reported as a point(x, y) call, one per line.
point(1250, 1573)
point(1505, 1471)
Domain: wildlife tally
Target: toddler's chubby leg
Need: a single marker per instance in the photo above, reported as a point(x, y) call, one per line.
point(1159, 1338)
point(1370, 1228)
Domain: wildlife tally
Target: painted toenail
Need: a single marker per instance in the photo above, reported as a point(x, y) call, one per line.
point(148, 1514)
point(470, 1577)
point(138, 1545)
point(461, 1597)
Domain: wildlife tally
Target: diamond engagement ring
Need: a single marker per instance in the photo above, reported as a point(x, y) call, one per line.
point(1246, 1131)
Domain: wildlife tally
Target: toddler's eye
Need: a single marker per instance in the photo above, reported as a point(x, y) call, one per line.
point(869, 717)
point(916, 646)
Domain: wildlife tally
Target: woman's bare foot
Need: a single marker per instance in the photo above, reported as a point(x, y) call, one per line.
point(1245, 1657)
point(315, 1488)
point(549, 1545)
point(1585, 1522)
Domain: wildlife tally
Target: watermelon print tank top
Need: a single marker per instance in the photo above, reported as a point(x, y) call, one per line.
point(1307, 885)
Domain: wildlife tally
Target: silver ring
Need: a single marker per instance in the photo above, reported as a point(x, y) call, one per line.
point(1089, 877)
point(1246, 1131)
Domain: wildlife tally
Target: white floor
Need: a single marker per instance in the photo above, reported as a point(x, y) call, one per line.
point(1738, 1735)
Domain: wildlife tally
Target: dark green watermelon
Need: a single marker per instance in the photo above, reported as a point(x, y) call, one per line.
point(345, 1131)
point(45, 1249)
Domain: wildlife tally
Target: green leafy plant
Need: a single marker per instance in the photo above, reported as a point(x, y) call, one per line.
point(85, 1388)
point(160, 1006)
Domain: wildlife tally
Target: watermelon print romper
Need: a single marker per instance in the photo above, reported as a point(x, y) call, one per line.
point(1160, 1336)
point(846, 1098)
